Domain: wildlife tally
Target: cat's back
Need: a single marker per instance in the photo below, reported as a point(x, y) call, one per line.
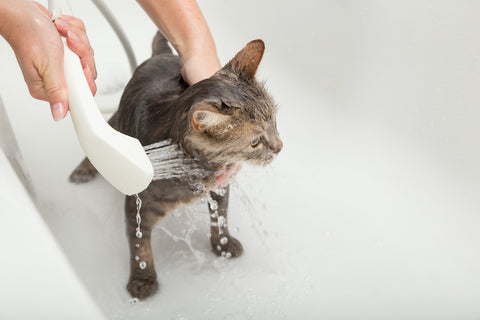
point(159, 74)
point(153, 84)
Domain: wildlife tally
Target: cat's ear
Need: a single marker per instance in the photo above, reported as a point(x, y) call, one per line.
point(247, 60)
point(206, 116)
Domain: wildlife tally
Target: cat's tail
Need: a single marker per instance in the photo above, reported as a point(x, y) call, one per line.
point(160, 45)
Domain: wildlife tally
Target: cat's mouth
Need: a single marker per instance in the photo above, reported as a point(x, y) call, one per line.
point(264, 161)
point(227, 172)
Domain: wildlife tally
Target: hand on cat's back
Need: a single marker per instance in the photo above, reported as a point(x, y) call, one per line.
point(199, 66)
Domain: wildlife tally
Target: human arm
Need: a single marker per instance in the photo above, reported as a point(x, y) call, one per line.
point(27, 26)
point(183, 24)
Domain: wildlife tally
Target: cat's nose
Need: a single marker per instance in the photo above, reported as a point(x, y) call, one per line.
point(277, 147)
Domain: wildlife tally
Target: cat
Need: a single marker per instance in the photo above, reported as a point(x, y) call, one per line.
point(225, 119)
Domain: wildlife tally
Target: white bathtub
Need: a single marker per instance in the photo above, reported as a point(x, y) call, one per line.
point(371, 210)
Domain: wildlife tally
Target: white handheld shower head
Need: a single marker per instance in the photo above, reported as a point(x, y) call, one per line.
point(119, 158)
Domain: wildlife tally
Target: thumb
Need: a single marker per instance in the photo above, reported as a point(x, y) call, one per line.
point(56, 90)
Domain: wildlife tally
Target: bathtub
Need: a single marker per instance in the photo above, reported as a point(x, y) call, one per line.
point(371, 211)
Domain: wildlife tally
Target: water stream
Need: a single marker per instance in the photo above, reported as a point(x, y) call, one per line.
point(169, 161)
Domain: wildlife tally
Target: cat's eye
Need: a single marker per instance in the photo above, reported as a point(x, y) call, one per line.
point(255, 142)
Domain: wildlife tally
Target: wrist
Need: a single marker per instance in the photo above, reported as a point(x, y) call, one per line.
point(5, 16)
point(10, 13)
point(199, 51)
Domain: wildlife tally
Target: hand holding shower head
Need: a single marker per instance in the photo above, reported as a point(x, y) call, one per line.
point(119, 158)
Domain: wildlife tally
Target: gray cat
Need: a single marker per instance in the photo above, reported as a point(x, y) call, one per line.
point(221, 120)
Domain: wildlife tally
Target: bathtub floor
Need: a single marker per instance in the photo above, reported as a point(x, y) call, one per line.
point(371, 211)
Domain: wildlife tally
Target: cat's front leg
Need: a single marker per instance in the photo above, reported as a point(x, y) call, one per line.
point(143, 277)
point(223, 244)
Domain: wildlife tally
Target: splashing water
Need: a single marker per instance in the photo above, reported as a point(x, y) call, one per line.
point(169, 162)
point(220, 220)
point(134, 300)
point(138, 201)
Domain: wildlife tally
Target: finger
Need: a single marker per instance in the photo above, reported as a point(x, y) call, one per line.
point(90, 80)
point(62, 26)
point(37, 89)
point(89, 62)
point(77, 26)
point(78, 43)
point(74, 21)
point(56, 90)
point(236, 169)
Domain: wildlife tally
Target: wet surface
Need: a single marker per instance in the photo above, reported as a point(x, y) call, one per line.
point(371, 210)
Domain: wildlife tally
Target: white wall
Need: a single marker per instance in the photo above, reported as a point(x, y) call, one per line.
point(370, 211)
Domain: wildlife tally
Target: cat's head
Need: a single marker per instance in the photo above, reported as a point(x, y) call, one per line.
point(233, 118)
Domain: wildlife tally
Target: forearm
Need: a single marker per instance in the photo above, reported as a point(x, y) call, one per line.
point(183, 24)
point(7, 16)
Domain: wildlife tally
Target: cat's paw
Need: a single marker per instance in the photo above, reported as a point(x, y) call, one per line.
point(142, 288)
point(83, 173)
point(81, 176)
point(227, 247)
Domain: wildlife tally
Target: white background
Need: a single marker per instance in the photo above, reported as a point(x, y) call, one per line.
point(371, 210)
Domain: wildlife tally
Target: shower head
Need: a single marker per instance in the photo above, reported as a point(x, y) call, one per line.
point(119, 158)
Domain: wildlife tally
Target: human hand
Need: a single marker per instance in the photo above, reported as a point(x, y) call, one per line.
point(37, 44)
point(226, 174)
point(73, 29)
point(199, 66)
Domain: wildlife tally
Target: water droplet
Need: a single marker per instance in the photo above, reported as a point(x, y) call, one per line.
point(228, 255)
point(223, 254)
point(134, 300)
point(221, 221)
point(219, 248)
point(177, 213)
point(224, 240)
point(213, 205)
point(221, 191)
point(137, 245)
point(137, 258)
point(142, 265)
point(138, 202)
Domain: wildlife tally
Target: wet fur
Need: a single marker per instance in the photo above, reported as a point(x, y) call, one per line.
point(214, 121)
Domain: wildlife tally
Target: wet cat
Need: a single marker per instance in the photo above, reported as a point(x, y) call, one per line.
point(221, 120)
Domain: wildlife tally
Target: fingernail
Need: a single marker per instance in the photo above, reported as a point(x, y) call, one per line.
point(58, 111)
point(71, 35)
point(90, 73)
